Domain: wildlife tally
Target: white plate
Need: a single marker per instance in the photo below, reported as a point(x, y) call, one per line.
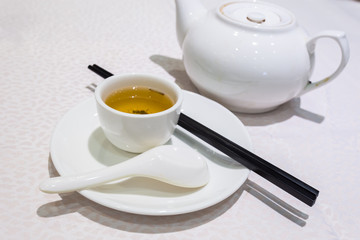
point(79, 145)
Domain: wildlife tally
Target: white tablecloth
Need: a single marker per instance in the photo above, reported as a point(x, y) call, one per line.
point(45, 48)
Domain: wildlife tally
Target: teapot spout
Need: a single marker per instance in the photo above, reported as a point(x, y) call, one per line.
point(187, 12)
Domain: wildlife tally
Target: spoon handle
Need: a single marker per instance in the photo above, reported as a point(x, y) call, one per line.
point(73, 183)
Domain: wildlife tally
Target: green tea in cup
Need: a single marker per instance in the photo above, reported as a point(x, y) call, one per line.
point(139, 100)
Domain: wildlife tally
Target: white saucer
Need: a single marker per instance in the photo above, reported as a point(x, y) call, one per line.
point(79, 145)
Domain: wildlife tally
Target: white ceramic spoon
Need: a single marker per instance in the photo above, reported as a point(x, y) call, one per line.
point(182, 167)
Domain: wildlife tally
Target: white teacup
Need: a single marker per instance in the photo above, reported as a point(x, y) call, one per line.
point(138, 132)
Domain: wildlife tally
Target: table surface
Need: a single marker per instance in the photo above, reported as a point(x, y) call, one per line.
point(45, 48)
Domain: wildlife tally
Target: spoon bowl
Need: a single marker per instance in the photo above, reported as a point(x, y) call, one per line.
point(179, 166)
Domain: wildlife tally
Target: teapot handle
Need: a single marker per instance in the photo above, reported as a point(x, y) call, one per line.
point(341, 39)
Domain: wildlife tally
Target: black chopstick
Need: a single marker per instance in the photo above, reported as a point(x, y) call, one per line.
point(280, 178)
point(100, 71)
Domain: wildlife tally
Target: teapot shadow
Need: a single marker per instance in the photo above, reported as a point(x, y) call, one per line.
point(175, 68)
point(282, 113)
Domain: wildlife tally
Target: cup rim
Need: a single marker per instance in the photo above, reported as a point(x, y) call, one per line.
point(114, 78)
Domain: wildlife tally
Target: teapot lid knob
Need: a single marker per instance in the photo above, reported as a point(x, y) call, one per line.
point(256, 17)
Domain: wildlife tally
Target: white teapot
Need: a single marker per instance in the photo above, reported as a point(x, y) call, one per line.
point(250, 56)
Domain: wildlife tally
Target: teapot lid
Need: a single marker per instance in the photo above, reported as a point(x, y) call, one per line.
point(257, 14)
